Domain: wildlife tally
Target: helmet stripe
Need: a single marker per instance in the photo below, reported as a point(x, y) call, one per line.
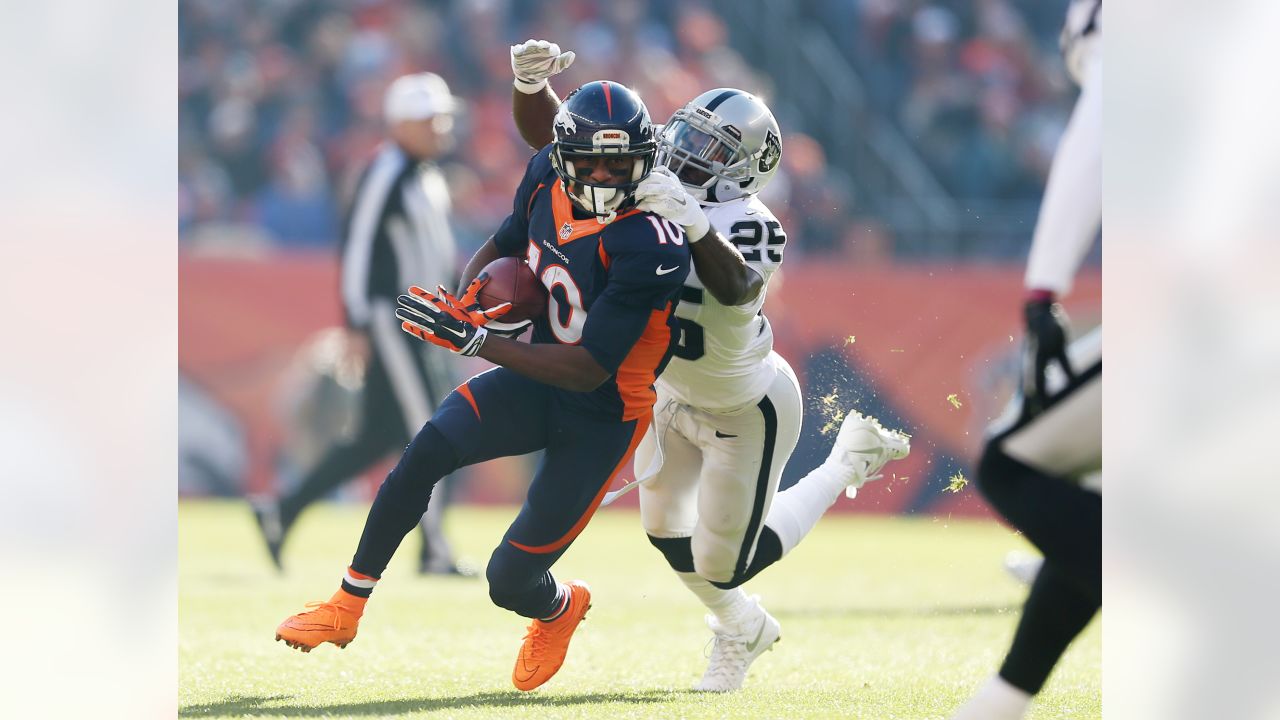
point(608, 99)
point(717, 100)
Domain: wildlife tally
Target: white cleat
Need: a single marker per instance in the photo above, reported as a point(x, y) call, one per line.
point(736, 647)
point(1022, 566)
point(864, 445)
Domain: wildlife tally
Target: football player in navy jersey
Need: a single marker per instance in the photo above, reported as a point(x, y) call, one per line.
point(729, 407)
point(582, 390)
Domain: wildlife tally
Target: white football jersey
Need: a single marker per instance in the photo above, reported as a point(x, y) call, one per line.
point(719, 362)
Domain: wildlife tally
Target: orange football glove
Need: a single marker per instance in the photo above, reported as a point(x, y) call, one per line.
point(468, 308)
point(433, 320)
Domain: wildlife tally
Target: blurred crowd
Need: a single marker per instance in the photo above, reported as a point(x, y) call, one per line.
point(280, 100)
point(977, 85)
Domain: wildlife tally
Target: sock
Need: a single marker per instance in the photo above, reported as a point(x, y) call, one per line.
point(562, 603)
point(796, 510)
point(358, 584)
point(995, 700)
point(730, 607)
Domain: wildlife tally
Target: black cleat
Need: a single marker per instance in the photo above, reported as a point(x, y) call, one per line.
point(267, 514)
point(428, 566)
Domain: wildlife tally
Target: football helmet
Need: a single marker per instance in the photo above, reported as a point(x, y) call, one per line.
point(723, 145)
point(602, 119)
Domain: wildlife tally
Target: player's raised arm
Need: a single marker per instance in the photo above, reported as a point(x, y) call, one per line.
point(1070, 215)
point(533, 102)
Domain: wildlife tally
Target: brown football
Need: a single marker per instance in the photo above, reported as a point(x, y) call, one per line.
point(511, 280)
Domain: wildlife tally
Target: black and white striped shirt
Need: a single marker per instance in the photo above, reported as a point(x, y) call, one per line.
point(397, 234)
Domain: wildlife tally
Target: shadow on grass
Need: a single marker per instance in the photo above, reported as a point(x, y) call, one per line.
point(259, 706)
point(899, 612)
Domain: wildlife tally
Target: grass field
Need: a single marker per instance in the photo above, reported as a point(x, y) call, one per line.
point(883, 618)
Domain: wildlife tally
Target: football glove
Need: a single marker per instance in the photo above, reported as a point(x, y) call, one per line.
point(440, 320)
point(661, 193)
point(470, 303)
point(533, 61)
point(1046, 343)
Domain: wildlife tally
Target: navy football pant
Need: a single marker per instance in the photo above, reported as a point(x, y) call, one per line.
point(495, 414)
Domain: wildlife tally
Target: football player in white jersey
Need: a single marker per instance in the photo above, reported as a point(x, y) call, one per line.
point(1041, 467)
point(728, 411)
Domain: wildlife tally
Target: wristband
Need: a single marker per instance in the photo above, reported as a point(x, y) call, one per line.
point(1040, 295)
point(698, 230)
point(530, 88)
point(473, 347)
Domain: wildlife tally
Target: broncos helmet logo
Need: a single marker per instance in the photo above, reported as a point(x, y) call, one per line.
point(564, 119)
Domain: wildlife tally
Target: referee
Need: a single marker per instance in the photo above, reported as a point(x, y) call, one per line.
point(397, 234)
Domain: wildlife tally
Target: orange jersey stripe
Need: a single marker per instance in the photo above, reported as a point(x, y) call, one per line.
point(465, 392)
point(574, 531)
point(529, 210)
point(639, 369)
point(562, 214)
point(604, 256)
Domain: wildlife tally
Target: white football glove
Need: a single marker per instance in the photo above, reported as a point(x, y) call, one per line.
point(662, 194)
point(533, 61)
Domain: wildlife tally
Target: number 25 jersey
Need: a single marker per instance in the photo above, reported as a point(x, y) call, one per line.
point(611, 288)
point(719, 362)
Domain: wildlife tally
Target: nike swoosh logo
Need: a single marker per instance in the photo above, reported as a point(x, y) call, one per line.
point(751, 646)
point(459, 333)
point(723, 435)
point(527, 672)
point(663, 271)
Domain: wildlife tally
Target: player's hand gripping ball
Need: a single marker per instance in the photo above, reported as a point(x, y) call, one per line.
point(510, 281)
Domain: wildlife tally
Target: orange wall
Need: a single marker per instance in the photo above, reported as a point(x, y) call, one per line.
point(920, 334)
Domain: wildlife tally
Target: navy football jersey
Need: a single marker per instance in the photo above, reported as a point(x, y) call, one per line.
point(610, 288)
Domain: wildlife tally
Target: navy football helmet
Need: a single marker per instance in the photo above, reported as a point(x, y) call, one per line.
point(603, 128)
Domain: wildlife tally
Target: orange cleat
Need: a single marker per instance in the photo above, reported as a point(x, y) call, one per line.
point(334, 621)
point(546, 643)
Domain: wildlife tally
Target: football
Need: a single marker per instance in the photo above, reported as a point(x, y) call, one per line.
point(511, 280)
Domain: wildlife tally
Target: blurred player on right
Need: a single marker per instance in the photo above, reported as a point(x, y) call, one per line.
point(1042, 453)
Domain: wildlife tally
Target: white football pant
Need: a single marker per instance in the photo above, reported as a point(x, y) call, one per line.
point(718, 472)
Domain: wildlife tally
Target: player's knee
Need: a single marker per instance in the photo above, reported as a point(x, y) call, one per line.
point(428, 458)
point(677, 551)
point(731, 584)
point(507, 581)
point(996, 470)
point(714, 560)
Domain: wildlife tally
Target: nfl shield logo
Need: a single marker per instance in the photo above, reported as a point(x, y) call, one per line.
point(565, 231)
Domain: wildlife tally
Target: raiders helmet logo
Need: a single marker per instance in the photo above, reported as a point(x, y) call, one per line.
point(566, 230)
point(771, 154)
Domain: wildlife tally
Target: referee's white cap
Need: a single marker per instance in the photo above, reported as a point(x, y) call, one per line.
point(418, 97)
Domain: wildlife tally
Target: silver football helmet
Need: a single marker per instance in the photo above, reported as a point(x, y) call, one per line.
point(723, 145)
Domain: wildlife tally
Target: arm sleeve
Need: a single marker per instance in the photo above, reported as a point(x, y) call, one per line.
point(634, 291)
point(1072, 207)
point(513, 234)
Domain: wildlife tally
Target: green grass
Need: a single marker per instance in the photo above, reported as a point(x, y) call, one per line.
point(882, 618)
